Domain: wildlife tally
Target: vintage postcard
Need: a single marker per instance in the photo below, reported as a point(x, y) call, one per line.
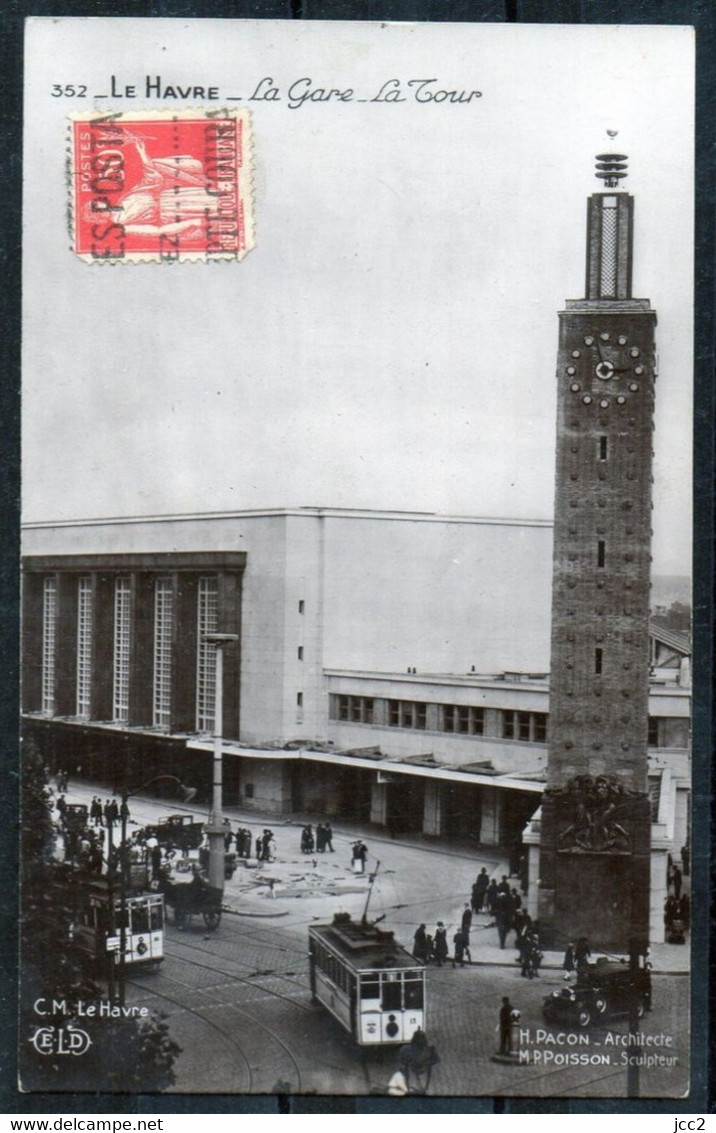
point(356, 598)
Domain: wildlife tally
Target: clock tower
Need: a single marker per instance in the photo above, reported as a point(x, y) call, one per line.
point(595, 824)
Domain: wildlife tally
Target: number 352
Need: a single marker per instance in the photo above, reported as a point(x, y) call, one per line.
point(68, 91)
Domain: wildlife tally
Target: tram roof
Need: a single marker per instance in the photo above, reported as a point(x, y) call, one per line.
point(364, 946)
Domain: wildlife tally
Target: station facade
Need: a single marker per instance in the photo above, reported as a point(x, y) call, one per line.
point(391, 668)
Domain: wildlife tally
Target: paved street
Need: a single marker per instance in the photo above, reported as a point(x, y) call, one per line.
point(239, 1004)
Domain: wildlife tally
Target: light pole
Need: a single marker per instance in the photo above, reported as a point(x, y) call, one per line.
point(187, 795)
point(215, 827)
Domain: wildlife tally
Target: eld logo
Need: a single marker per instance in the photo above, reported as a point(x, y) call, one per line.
point(61, 1040)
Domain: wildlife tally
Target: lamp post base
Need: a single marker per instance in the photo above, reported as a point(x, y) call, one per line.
point(216, 833)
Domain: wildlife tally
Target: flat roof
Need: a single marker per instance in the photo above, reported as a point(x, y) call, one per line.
point(295, 512)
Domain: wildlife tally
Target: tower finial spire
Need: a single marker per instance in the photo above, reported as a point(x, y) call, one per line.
point(611, 167)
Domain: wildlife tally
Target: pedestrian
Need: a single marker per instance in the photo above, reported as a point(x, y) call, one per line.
point(113, 811)
point(677, 881)
point(259, 847)
point(429, 947)
point(459, 945)
point(568, 962)
point(686, 860)
point(531, 956)
point(124, 811)
point(504, 886)
point(685, 909)
point(320, 839)
point(107, 811)
point(440, 947)
point(418, 1058)
point(466, 921)
point(420, 944)
point(480, 889)
point(506, 1020)
point(96, 811)
point(61, 806)
point(582, 953)
point(328, 836)
point(491, 896)
point(359, 855)
point(503, 917)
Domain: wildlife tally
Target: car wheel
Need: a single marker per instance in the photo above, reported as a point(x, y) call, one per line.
point(600, 1004)
point(584, 1016)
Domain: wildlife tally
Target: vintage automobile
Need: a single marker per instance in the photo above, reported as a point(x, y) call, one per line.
point(177, 832)
point(76, 816)
point(608, 990)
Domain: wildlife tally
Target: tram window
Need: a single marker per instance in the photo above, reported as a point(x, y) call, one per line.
point(370, 987)
point(392, 989)
point(121, 919)
point(140, 918)
point(413, 990)
point(156, 917)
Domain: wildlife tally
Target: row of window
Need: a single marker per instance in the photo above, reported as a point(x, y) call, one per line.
point(396, 990)
point(459, 719)
point(163, 633)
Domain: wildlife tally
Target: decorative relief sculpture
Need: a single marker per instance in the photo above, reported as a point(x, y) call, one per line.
point(597, 805)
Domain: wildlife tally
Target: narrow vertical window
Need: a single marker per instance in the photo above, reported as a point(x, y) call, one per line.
point(602, 448)
point(49, 633)
point(598, 657)
point(300, 652)
point(299, 700)
point(163, 623)
point(600, 553)
point(84, 645)
point(301, 605)
point(207, 622)
point(122, 624)
point(608, 260)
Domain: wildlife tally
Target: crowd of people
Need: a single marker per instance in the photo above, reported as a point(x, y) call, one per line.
point(502, 903)
point(319, 842)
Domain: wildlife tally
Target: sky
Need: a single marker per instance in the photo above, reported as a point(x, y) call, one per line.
point(391, 340)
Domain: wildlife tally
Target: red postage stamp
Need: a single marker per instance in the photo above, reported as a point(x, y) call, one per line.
point(161, 186)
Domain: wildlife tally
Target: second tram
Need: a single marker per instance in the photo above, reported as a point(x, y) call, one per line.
point(371, 984)
point(99, 920)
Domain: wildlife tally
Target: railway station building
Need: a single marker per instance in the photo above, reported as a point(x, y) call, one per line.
point(391, 668)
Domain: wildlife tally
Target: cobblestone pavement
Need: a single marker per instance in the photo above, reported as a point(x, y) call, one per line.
point(239, 1004)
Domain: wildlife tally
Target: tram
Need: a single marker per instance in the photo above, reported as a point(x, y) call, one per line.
point(369, 983)
point(99, 919)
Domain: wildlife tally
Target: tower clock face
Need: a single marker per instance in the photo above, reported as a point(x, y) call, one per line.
point(605, 366)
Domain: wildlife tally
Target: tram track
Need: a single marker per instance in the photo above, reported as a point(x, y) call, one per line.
point(249, 980)
point(215, 1001)
point(225, 1034)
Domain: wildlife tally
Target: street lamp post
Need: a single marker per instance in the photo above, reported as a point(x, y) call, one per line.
point(215, 827)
